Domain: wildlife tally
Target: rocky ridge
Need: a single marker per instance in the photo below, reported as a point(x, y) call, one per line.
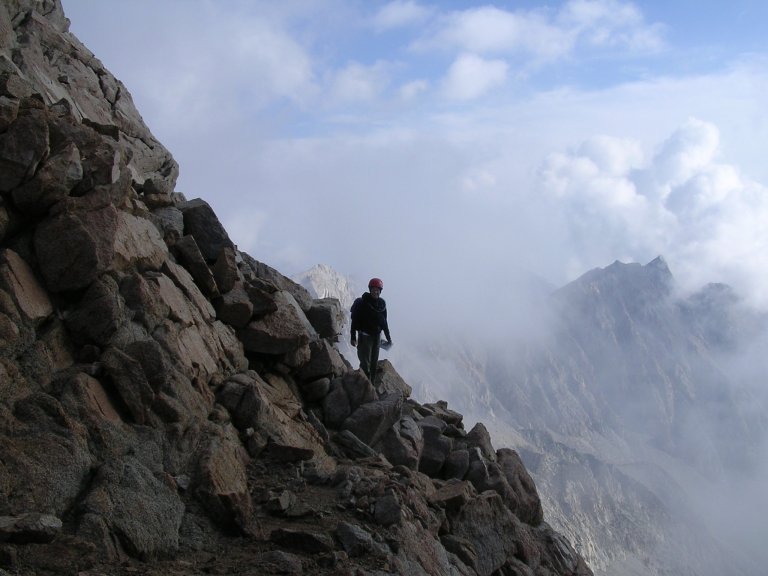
point(170, 405)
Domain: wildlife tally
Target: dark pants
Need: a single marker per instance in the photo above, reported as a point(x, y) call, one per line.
point(368, 354)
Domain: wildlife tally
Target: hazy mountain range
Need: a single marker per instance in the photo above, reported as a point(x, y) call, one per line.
point(638, 410)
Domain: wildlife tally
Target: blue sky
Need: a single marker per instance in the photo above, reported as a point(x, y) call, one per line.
point(460, 143)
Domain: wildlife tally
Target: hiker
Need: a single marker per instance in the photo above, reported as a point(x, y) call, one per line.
point(369, 319)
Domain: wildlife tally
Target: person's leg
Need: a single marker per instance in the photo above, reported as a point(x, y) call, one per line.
point(364, 344)
point(375, 345)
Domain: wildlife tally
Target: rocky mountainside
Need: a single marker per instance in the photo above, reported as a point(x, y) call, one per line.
point(170, 405)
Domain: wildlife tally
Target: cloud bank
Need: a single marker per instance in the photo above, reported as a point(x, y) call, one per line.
point(458, 147)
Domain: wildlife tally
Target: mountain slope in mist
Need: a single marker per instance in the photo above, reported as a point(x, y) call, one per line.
point(633, 406)
point(635, 418)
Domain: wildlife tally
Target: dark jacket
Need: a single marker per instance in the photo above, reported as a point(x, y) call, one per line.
point(369, 315)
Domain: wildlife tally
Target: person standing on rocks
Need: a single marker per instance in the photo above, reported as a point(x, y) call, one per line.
point(369, 320)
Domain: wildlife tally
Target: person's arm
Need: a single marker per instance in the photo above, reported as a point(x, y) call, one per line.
point(385, 327)
point(353, 324)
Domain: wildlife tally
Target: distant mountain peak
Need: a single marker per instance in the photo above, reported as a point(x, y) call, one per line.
point(621, 280)
point(323, 281)
point(660, 264)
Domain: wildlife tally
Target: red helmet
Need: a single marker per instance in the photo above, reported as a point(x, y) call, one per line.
point(376, 283)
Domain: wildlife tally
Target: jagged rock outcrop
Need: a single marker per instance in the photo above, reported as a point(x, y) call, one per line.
point(169, 404)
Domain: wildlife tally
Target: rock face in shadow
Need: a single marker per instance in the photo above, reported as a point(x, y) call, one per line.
point(170, 405)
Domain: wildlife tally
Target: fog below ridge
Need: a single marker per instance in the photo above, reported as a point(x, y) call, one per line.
point(648, 402)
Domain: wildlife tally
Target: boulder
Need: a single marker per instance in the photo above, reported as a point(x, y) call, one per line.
point(557, 553)
point(101, 160)
point(327, 318)
point(130, 383)
point(479, 437)
point(402, 443)
point(259, 271)
point(234, 308)
point(316, 390)
point(222, 482)
point(44, 464)
point(440, 410)
point(169, 221)
point(273, 415)
point(453, 496)
point(464, 550)
point(456, 465)
point(280, 332)
point(486, 475)
point(137, 244)
point(20, 282)
point(370, 421)
point(303, 540)
point(388, 510)
point(225, 270)
point(243, 397)
point(201, 222)
point(133, 503)
point(53, 182)
point(32, 527)
point(280, 502)
point(73, 249)
point(325, 361)
point(388, 380)
point(9, 219)
point(201, 308)
point(355, 540)
point(153, 360)
point(99, 313)
point(141, 294)
point(84, 396)
point(262, 300)
point(436, 449)
point(490, 531)
point(15, 87)
point(191, 258)
point(23, 145)
point(352, 446)
point(523, 498)
point(336, 405)
point(278, 452)
point(284, 562)
point(45, 356)
point(358, 388)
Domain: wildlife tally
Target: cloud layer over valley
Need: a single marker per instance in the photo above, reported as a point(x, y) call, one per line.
point(427, 144)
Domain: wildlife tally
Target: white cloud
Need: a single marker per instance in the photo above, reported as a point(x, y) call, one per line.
point(470, 77)
point(359, 83)
point(412, 89)
point(267, 60)
point(691, 148)
point(613, 155)
point(547, 35)
point(703, 215)
point(400, 13)
point(492, 30)
point(479, 181)
point(609, 23)
point(245, 227)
